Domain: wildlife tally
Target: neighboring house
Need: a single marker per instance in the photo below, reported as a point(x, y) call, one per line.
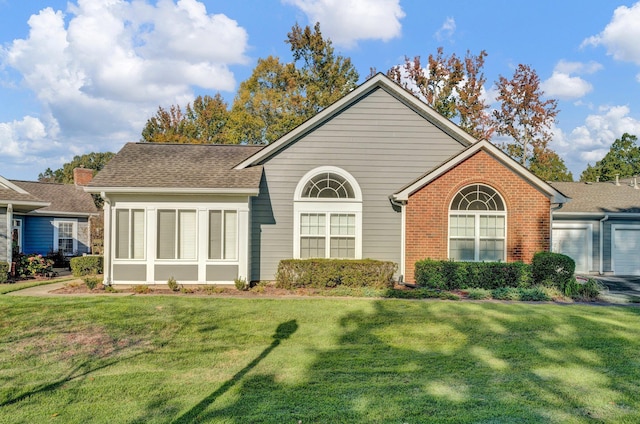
point(43, 218)
point(600, 227)
point(378, 174)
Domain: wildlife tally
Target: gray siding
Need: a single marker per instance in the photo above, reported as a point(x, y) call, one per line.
point(179, 272)
point(131, 273)
point(222, 272)
point(3, 234)
point(382, 143)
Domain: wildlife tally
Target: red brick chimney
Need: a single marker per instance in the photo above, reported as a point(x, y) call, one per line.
point(82, 176)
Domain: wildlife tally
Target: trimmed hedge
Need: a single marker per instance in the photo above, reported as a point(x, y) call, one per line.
point(4, 271)
point(328, 273)
point(450, 275)
point(552, 269)
point(86, 265)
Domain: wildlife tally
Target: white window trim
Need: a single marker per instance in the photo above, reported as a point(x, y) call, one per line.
point(176, 247)
point(19, 228)
point(56, 224)
point(303, 205)
point(477, 215)
point(573, 226)
point(237, 246)
point(144, 234)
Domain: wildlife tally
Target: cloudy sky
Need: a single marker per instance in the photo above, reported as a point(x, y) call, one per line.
point(83, 76)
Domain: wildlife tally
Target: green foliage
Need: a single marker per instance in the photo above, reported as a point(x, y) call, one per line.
point(552, 269)
point(327, 273)
point(64, 175)
point(241, 284)
point(450, 275)
point(479, 294)
point(622, 159)
point(506, 293)
point(534, 294)
point(33, 265)
point(86, 265)
point(5, 267)
point(141, 289)
point(548, 166)
point(420, 293)
point(172, 283)
point(91, 282)
point(582, 290)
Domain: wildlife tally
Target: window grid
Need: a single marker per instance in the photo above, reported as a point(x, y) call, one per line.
point(223, 234)
point(341, 242)
point(177, 235)
point(65, 237)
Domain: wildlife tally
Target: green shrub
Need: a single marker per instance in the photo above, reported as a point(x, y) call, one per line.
point(450, 275)
point(328, 273)
point(479, 294)
point(506, 293)
point(534, 294)
point(588, 291)
point(32, 265)
point(4, 271)
point(173, 284)
point(141, 289)
point(86, 265)
point(552, 269)
point(91, 282)
point(241, 284)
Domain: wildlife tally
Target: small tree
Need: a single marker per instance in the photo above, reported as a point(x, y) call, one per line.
point(622, 159)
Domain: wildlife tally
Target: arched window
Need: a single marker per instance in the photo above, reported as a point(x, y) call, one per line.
point(477, 225)
point(327, 215)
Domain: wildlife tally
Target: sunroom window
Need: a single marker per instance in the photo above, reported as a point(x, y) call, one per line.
point(477, 225)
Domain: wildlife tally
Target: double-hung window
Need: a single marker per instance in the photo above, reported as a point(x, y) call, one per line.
point(65, 237)
point(177, 234)
point(477, 225)
point(328, 212)
point(130, 234)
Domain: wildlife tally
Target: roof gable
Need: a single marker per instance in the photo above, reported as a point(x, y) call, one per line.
point(555, 195)
point(12, 193)
point(379, 81)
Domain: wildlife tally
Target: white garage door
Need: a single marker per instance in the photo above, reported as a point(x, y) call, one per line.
point(575, 243)
point(625, 250)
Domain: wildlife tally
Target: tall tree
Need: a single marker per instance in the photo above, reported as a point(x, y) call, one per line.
point(451, 85)
point(523, 115)
point(204, 122)
point(622, 159)
point(64, 175)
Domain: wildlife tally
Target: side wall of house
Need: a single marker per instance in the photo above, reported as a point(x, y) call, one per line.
point(427, 212)
point(3, 234)
point(382, 143)
point(39, 232)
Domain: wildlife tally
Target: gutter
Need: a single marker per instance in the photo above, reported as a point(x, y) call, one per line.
point(403, 230)
point(601, 267)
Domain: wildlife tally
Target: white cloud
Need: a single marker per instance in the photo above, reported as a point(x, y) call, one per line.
point(589, 142)
point(621, 35)
point(446, 30)
point(103, 69)
point(563, 85)
point(346, 22)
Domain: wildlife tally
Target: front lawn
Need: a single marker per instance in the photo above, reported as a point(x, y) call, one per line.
point(179, 359)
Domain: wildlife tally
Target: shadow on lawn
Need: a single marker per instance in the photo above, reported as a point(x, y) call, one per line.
point(518, 365)
point(283, 332)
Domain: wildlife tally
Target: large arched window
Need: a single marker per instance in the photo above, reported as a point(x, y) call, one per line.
point(327, 215)
point(477, 225)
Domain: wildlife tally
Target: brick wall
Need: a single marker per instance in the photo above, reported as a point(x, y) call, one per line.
point(427, 211)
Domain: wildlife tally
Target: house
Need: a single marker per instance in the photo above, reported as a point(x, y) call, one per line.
point(42, 218)
point(600, 227)
point(378, 174)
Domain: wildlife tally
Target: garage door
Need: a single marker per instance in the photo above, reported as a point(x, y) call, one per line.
point(625, 250)
point(575, 243)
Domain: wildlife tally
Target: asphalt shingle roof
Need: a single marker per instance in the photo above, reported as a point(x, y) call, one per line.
point(601, 197)
point(8, 195)
point(63, 197)
point(159, 165)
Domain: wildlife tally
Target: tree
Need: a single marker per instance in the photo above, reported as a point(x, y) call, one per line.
point(64, 175)
point(523, 115)
point(622, 159)
point(547, 165)
point(451, 85)
point(204, 122)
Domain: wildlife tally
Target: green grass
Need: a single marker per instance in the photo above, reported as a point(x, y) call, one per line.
point(161, 359)
point(11, 287)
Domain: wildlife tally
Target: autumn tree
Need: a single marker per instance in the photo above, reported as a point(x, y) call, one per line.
point(64, 175)
point(547, 165)
point(451, 85)
point(523, 115)
point(622, 159)
point(203, 122)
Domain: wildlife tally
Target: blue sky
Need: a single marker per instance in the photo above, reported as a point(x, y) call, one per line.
point(80, 76)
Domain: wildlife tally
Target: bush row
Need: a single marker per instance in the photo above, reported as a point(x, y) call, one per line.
point(449, 275)
point(86, 265)
point(327, 273)
point(552, 269)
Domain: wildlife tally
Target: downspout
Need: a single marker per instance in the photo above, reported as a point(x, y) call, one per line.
point(106, 239)
point(10, 233)
point(601, 268)
point(551, 211)
point(403, 230)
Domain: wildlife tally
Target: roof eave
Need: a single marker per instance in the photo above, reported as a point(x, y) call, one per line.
point(174, 190)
